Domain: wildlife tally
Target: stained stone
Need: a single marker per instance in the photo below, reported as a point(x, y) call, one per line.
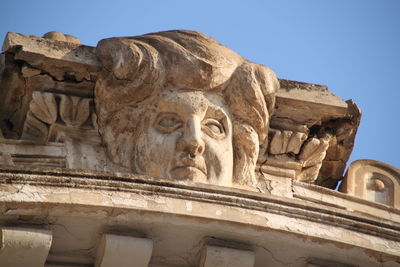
point(169, 149)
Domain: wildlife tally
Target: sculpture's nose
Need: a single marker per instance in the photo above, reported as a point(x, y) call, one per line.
point(191, 141)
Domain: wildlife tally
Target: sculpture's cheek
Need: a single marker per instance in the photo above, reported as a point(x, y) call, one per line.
point(219, 160)
point(155, 152)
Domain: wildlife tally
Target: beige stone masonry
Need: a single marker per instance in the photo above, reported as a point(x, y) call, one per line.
point(53, 90)
point(79, 206)
point(315, 262)
point(170, 150)
point(123, 251)
point(22, 247)
point(215, 256)
point(374, 181)
point(69, 56)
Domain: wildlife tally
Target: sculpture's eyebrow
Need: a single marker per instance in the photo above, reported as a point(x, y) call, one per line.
point(216, 112)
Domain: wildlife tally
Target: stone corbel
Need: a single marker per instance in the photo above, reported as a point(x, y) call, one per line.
point(217, 253)
point(215, 256)
point(123, 251)
point(21, 247)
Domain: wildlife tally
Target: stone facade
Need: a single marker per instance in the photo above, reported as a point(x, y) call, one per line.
point(169, 149)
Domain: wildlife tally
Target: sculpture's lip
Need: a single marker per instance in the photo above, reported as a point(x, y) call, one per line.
point(189, 168)
point(191, 165)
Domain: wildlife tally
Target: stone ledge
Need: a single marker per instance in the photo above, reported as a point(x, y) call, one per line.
point(80, 206)
point(299, 207)
point(34, 50)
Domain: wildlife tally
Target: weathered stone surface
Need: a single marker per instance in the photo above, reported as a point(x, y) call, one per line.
point(226, 257)
point(315, 262)
point(374, 181)
point(78, 207)
point(28, 72)
point(194, 115)
point(13, 99)
point(284, 142)
point(74, 111)
point(28, 153)
point(61, 37)
point(340, 146)
point(44, 107)
point(123, 251)
point(183, 95)
point(21, 247)
point(308, 103)
point(70, 70)
point(17, 91)
point(32, 49)
point(59, 117)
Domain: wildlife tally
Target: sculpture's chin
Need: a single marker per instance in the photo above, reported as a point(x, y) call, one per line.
point(188, 173)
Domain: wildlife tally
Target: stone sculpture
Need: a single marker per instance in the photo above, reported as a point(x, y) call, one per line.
point(48, 98)
point(374, 181)
point(179, 105)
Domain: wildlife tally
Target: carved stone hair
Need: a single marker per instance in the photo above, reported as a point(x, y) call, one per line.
point(136, 69)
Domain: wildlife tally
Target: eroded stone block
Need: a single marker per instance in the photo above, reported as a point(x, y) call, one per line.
point(215, 256)
point(22, 247)
point(27, 153)
point(123, 251)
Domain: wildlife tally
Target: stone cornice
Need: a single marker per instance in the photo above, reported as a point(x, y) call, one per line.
point(295, 207)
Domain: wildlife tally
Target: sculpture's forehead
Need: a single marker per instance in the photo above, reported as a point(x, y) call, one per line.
point(184, 100)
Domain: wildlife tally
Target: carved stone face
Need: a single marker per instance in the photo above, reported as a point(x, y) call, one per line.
point(187, 135)
point(179, 105)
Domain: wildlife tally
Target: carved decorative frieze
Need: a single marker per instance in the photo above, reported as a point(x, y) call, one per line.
point(34, 129)
point(59, 117)
point(43, 106)
point(311, 130)
point(74, 111)
point(293, 154)
point(285, 142)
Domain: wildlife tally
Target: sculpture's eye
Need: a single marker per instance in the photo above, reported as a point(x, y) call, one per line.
point(214, 128)
point(168, 123)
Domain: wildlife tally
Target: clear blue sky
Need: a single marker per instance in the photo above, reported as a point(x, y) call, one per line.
point(353, 46)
